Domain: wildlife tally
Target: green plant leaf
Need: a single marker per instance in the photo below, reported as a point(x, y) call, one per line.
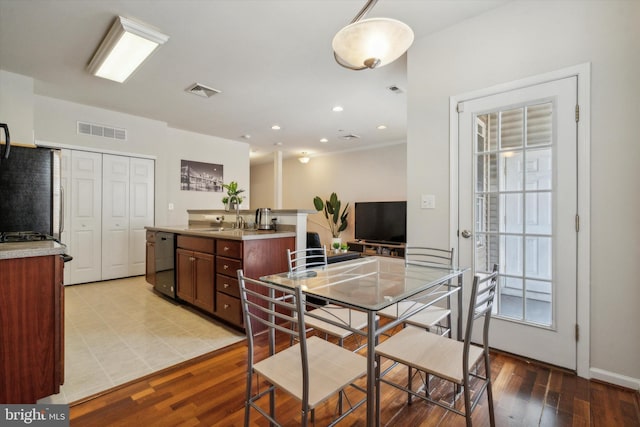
point(318, 204)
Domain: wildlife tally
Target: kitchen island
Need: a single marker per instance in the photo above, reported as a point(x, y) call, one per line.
point(207, 259)
point(31, 320)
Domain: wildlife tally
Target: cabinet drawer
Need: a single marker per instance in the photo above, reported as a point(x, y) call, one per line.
point(227, 284)
point(229, 308)
point(151, 236)
point(229, 248)
point(198, 244)
point(228, 266)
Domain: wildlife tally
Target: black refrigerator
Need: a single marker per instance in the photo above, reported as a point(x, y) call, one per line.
point(30, 191)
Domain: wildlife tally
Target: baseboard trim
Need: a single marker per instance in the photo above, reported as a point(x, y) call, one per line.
point(617, 379)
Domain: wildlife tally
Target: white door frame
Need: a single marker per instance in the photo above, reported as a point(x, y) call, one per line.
point(583, 298)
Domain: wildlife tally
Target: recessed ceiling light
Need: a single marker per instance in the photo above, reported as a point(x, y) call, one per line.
point(337, 108)
point(246, 136)
point(324, 140)
point(275, 127)
point(381, 127)
point(278, 144)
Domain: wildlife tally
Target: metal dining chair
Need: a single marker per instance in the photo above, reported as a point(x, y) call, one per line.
point(311, 371)
point(432, 317)
point(344, 318)
point(450, 360)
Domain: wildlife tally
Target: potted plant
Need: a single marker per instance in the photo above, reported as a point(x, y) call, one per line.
point(336, 219)
point(344, 247)
point(232, 200)
point(336, 247)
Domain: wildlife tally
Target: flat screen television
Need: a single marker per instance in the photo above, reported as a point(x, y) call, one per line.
point(381, 222)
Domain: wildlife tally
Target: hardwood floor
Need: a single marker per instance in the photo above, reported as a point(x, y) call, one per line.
point(209, 391)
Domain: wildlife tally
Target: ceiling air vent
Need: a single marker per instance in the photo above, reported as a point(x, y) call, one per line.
point(350, 137)
point(93, 129)
point(395, 89)
point(202, 90)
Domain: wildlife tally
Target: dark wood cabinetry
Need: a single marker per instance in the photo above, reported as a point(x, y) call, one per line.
point(206, 269)
point(195, 271)
point(228, 262)
point(31, 328)
point(150, 265)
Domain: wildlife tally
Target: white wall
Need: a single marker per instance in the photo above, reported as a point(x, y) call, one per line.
point(523, 39)
point(377, 174)
point(55, 121)
point(16, 106)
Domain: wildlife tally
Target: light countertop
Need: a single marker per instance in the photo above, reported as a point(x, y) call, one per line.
point(9, 250)
point(223, 233)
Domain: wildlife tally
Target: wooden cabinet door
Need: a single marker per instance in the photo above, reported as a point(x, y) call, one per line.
point(150, 272)
point(184, 275)
point(204, 281)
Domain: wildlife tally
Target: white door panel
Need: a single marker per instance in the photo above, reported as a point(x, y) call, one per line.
point(115, 219)
point(85, 217)
point(518, 197)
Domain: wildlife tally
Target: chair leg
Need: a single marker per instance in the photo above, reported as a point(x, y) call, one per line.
point(409, 381)
point(487, 369)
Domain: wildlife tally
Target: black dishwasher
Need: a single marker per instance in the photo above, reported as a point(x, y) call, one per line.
point(165, 265)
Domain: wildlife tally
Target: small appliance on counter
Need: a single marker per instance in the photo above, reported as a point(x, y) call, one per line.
point(264, 220)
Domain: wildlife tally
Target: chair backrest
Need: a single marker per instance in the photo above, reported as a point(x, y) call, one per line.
point(483, 293)
point(277, 308)
point(306, 258)
point(426, 255)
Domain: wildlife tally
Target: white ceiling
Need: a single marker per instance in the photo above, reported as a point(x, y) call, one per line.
point(272, 60)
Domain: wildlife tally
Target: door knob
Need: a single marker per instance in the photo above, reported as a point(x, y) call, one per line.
point(466, 234)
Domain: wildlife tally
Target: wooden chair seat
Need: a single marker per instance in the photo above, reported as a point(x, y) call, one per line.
point(426, 318)
point(331, 369)
point(352, 318)
point(429, 353)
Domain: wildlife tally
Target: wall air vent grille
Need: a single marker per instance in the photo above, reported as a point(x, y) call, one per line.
point(93, 129)
point(350, 137)
point(202, 90)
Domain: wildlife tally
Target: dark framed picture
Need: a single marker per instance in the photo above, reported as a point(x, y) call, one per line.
point(198, 176)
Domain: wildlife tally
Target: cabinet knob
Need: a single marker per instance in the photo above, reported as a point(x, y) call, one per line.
point(226, 285)
point(226, 267)
point(226, 248)
point(226, 306)
point(191, 258)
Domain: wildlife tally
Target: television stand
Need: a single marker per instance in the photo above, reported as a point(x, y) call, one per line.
point(379, 249)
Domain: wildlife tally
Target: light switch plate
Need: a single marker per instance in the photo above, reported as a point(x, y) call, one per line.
point(428, 201)
point(170, 206)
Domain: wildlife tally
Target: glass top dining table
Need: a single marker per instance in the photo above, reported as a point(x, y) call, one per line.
point(371, 284)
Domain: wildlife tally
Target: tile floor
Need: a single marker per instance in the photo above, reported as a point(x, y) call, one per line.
point(119, 330)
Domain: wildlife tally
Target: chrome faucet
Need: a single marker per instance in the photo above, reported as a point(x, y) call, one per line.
point(240, 223)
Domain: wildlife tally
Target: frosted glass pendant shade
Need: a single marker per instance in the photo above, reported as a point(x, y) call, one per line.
point(371, 43)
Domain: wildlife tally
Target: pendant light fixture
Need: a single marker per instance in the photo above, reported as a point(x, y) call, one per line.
point(371, 43)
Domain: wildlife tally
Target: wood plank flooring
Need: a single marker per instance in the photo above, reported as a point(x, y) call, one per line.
point(209, 391)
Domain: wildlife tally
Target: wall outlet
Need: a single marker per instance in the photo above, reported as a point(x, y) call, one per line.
point(428, 201)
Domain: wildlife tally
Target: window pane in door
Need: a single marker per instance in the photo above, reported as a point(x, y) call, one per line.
point(513, 215)
point(487, 173)
point(511, 129)
point(538, 213)
point(538, 302)
point(539, 169)
point(539, 124)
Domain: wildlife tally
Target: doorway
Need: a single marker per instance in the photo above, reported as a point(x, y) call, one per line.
point(516, 204)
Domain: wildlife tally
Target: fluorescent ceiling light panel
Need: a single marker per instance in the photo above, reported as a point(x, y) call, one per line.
point(126, 46)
